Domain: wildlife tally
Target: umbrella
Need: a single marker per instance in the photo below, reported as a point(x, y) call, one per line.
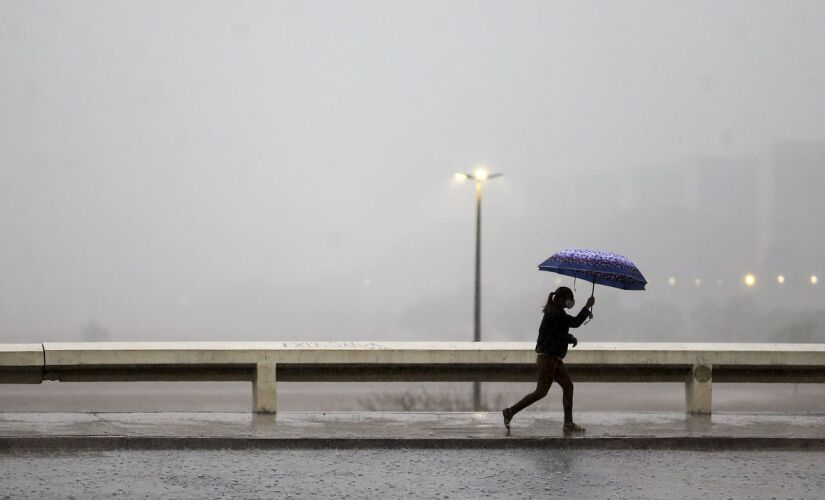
point(604, 268)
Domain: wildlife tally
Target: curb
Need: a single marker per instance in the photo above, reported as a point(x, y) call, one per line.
point(111, 443)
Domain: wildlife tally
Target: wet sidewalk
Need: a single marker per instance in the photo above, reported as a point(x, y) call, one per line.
point(21, 431)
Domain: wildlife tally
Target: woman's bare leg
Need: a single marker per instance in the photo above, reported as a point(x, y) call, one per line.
point(546, 368)
point(563, 379)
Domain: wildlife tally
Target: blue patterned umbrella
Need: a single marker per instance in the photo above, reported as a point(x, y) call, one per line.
point(604, 268)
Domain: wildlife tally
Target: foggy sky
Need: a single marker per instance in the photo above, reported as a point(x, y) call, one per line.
point(283, 170)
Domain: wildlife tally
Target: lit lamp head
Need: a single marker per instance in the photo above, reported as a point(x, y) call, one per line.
point(750, 280)
point(481, 174)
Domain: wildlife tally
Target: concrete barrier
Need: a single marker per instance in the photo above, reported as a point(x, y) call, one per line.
point(697, 365)
point(21, 363)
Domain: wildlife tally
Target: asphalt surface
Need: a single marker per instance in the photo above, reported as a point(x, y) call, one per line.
point(382, 473)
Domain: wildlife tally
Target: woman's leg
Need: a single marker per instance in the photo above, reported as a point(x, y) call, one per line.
point(546, 366)
point(563, 379)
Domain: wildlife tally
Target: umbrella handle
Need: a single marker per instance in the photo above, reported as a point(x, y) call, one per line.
point(593, 289)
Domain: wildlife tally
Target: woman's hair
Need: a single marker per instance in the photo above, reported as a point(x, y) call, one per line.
point(561, 293)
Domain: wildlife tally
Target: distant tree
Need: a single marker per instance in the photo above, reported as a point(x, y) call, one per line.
point(807, 328)
point(92, 331)
point(421, 400)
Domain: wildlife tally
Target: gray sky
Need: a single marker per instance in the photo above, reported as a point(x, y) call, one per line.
point(283, 170)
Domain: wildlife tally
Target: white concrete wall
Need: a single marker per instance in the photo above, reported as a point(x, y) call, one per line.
point(29, 355)
point(59, 354)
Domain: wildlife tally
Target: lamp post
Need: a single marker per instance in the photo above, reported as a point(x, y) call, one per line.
point(480, 176)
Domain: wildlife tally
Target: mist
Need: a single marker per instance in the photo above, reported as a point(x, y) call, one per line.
point(284, 171)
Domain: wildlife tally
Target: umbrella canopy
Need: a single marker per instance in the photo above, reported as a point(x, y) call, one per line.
point(603, 268)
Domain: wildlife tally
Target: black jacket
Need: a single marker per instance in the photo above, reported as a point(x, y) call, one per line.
point(554, 332)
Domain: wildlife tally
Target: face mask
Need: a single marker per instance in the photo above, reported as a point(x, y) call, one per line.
point(570, 303)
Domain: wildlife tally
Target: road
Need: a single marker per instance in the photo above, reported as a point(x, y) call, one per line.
point(392, 473)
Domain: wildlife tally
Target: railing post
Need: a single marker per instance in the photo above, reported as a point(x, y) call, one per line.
point(698, 389)
point(264, 394)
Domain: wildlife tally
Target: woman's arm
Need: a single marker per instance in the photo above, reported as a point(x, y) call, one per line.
point(576, 321)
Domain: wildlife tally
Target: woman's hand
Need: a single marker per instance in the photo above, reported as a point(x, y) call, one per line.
point(590, 302)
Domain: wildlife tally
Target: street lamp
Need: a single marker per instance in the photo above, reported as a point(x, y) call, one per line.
point(480, 175)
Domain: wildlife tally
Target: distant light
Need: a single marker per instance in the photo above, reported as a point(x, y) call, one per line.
point(459, 177)
point(719, 282)
point(750, 279)
point(366, 282)
point(558, 281)
point(697, 281)
point(814, 279)
point(780, 279)
point(671, 281)
point(481, 174)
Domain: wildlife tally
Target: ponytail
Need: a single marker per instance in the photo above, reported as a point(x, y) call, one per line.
point(550, 303)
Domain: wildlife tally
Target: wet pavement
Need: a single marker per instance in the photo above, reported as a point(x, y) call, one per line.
point(410, 429)
point(413, 473)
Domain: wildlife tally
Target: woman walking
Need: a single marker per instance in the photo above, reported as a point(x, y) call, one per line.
point(554, 335)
